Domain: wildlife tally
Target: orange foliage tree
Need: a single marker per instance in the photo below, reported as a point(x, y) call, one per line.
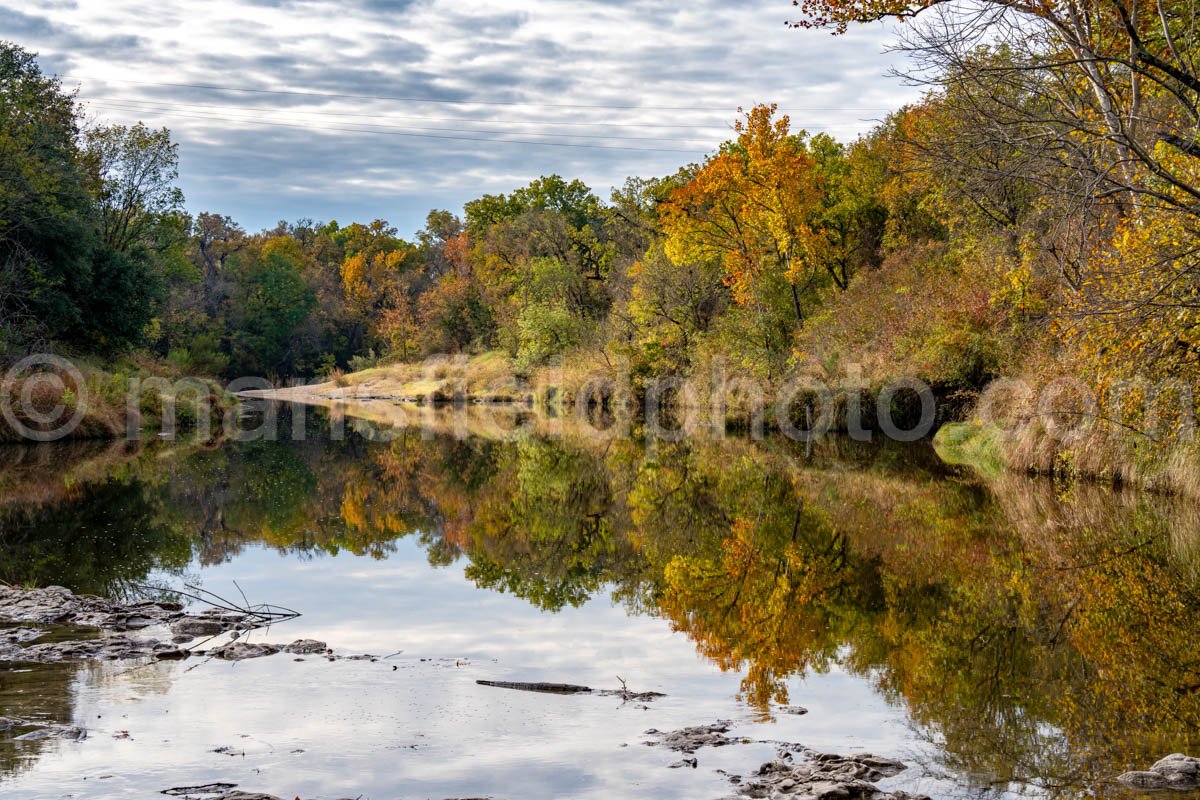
point(754, 206)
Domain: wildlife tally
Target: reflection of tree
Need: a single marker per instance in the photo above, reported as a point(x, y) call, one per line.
point(105, 535)
point(545, 528)
point(40, 692)
point(1034, 632)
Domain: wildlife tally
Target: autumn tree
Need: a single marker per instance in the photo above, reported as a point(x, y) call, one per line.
point(375, 274)
point(671, 304)
point(755, 206)
point(1088, 110)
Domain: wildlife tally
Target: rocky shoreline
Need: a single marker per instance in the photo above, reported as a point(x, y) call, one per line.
point(1176, 772)
point(796, 773)
point(53, 624)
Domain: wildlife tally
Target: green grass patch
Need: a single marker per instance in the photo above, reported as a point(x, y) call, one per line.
point(969, 445)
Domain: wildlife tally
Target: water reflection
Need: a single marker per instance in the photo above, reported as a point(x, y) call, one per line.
point(1038, 634)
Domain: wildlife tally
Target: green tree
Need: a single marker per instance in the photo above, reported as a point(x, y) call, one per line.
point(45, 236)
point(270, 301)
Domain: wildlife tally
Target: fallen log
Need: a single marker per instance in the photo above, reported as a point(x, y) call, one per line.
point(547, 688)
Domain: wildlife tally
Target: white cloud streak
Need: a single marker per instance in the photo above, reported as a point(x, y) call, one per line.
point(527, 88)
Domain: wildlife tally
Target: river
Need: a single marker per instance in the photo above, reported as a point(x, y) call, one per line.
point(1003, 636)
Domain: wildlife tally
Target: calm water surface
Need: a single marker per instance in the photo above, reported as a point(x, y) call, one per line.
point(1004, 637)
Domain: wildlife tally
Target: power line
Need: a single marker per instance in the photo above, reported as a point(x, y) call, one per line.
point(309, 93)
point(393, 132)
point(552, 123)
point(168, 107)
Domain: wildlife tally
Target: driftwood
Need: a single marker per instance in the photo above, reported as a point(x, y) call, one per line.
point(570, 688)
point(547, 688)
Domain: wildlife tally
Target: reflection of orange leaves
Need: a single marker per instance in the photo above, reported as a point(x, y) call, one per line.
point(1134, 628)
point(739, 550)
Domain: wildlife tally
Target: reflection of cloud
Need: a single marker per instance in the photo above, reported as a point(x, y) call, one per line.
point(426, 729)
point(684, 66)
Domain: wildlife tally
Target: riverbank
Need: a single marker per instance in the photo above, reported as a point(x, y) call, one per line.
point(1102, 454)
point(728, 398)
point(56, 399)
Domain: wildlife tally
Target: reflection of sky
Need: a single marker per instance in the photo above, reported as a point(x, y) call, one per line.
point(322, 729)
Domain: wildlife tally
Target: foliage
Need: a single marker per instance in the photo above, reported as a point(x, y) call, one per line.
point(1027, 216)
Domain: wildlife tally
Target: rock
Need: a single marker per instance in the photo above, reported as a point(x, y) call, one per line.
point(1143, 779)
point(823, 777)
point(689, 740)
point(221, 789)
point(69, 732)
point(820, 776)
point(862, 766)
point(1177, 771)
point(240, 651)
point(304, 647)
point(196, 626)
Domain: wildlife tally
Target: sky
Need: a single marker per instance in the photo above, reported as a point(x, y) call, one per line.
point(353, 110)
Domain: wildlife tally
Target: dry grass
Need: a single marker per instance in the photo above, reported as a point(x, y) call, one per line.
point(103, 403)
point(1098, 453)
point(488, 377)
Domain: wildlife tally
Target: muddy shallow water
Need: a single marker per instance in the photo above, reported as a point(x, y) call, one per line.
point(999, 637)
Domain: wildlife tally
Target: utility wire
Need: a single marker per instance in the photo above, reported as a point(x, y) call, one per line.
point(309, 93)
point(138, 106)
point(393, 132)
point(551, 123)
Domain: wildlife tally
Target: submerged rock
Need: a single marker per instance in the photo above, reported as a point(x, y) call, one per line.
point(689, 740)
point(207, 789)
point(1177, 771)
point(52, 624)
point(198, 626)
point(825, 776)
point(819, 776)
point(56, 605)
point(45, 731)
point(240, 651)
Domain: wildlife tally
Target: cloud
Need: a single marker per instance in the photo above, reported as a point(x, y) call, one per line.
point(359, 108)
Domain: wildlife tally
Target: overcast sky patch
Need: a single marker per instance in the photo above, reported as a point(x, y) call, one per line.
point(357, 109)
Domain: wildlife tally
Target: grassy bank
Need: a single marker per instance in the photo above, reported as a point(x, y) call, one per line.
point(1102, 454)
point(108, 399)
point(596, 380)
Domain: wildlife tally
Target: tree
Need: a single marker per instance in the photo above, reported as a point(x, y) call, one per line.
point(271, 299)
point(670, 304)
point(45, 240)
point(1091, 108)
point(454, 315)
point(67, 270)
point(216, 238)
point(754, 206)
point(135, 169)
